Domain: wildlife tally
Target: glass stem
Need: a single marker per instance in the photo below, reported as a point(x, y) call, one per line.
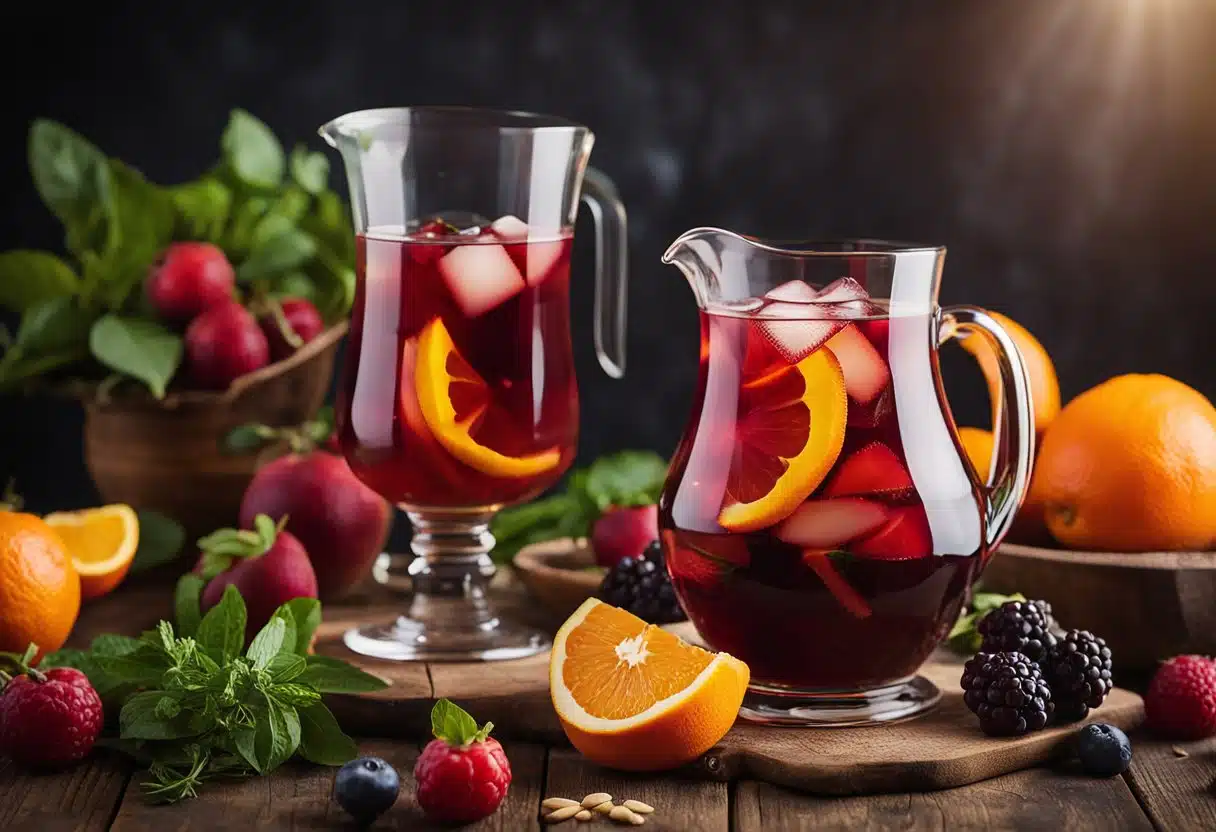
point(452, 569)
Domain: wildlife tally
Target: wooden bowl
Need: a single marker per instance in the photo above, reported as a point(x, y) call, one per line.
point(557, 573)
point(1148, 606)
point(166, 455)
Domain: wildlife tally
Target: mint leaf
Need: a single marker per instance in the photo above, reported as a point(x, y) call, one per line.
point(140, 225)
point(287, 249)
point(138, 348)
point(70, 173)
point(248, 437)
point(160, 541)
point(627, 478)
point(142, 667)
point(321, 740)
point(267, 530)
point(267, 643)
point(222, 630)
point(110, 645)
point(451, 723)
point(309, 169)
point(306, 617)
point(987, 601)
point(143, 717)
point(329, 675)
point(252, 150)
point(276, 736)
point(31, 277)
point(202, 208)
point(53, 325)
point(285, 667)
point(295, 695)
point(187, 610)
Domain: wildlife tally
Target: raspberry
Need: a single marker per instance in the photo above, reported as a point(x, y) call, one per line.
point(1006, 691)
point(1078, 670)
point(462, 774)
point(49, 719)
point(1181, 699)
point(1019, 626)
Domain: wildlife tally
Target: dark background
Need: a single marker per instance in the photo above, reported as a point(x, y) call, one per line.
point(1063, 150)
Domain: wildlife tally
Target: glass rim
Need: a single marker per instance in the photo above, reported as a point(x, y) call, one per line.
point(827, 247)
point(462, 117)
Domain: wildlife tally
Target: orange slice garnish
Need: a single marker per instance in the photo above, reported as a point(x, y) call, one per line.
point(633, 696)
point(442, 377)
point(788, 432)
point(102, 543)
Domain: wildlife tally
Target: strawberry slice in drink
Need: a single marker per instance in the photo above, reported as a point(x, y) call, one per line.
point(905, 536)
point(480, 276)
point(873, 470)
point(828, 524)
point(539, 255)
point(820, 562)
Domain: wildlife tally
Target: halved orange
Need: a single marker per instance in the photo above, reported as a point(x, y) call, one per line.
point(788, 432)
point(633, 696)
point(102, 543)
point(443, 378)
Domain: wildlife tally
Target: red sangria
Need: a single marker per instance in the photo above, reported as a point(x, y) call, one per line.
point(459, 388)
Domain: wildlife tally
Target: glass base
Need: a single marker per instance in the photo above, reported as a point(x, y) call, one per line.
point(775, 705)
point(450, 618)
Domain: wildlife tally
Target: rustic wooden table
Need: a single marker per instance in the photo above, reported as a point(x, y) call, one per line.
point(1169, 787)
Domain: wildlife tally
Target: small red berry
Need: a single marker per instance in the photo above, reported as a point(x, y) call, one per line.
point(304, 320)
point(1181, 699)
point(223, 344)
point(49, 719)
point(188, 279)
point(463, 774)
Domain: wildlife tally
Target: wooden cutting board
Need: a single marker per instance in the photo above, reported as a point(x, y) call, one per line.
point(941, 749)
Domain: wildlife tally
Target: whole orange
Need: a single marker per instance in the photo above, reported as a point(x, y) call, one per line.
point(1028, 525)
point(1130, 465)
point(39, 586)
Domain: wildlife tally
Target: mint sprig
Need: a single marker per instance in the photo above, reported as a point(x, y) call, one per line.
point(623, 479)
point(454, 725)
point(221, 548)
point(965, 636)
point(197, 707)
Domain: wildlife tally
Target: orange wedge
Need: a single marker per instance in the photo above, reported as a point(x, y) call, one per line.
point(789, 431)
point(442, 376)
point(633, 696)
point(102, 543)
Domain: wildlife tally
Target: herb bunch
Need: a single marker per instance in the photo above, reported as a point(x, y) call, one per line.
point(196, 705)
point(84, 315)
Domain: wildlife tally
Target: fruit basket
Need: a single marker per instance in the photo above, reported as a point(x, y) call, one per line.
point(1147, 605)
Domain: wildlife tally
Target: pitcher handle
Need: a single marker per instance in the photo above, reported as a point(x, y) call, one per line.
point(611, 270)
point(1013, 426)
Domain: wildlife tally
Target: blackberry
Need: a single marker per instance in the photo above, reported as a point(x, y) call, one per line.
point(1024, 627)
point(642, 586)
point(1006, 691)
point(1078, 670)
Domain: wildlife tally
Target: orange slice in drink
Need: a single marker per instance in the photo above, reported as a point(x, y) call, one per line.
point(788, 433)
point(102, 543)
point(442, 378)
point(633, 696)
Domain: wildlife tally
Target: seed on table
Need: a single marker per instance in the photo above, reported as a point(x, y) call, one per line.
point(564, 813)
point(622, 815)
point(604, 808)
point(558, 803)
point(583, 816)
point(638, 806)
point(593, 800)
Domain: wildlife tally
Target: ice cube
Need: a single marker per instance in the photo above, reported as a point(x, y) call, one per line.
point(840, 290)
point(828, 524)
point(510, 227)
point(539, 255)
point(480, 276)
point(866, 373)
point(797, 337)
point(795, 291)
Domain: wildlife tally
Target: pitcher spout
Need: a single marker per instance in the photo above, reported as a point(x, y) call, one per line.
point(714, 261)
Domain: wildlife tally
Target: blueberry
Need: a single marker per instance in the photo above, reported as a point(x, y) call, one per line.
point(366, 788)
point(1104, 750)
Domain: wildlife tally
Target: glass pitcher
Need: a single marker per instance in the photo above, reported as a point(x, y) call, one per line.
point(458, 396)
point(820, 519)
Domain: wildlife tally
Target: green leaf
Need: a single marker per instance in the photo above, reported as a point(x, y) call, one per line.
point(286, 667)
point(987, 601)
point(70, 173)
point(267, 643)
point(294, 284)
point(297, 696)
point(32, 277)
point(143, 667)
point(202, 208)
point(144, 718)
point(627, 478)
point(68, 657)
point(306, 617)
point(187, 605)
point(222, 630)
point(333, 283)
point(321, 740)
point(141, 349)
point(451, 723)
point(53, 326)
point(110, 645)
point(252, 150)
point(267, 530)
point(309, 169)
point(160, 540)
point(139, 227)
point(512, 522)
point(268, 227)
point(287, 249)
point(277, 735)
point(245, 217)
point(329, 675)
point(248, 437)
